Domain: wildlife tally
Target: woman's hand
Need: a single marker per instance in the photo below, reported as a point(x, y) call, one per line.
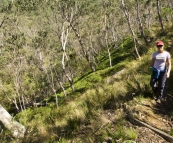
point(167, 75)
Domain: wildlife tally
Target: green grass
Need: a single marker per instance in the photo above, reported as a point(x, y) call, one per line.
point(92, 95)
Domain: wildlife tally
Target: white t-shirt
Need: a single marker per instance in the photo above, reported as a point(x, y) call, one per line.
point(160, 60)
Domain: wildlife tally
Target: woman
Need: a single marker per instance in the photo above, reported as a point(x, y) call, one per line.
point(161, 67)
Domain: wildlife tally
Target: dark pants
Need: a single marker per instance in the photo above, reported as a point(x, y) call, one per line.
point(158, 84)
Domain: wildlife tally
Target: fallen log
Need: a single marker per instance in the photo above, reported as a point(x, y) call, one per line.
point(159, 132)
point(40, 104)
point(14, 127)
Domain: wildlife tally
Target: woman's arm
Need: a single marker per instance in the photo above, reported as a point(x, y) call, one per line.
point(151, 66)
point(169, 67)
point(152, 62)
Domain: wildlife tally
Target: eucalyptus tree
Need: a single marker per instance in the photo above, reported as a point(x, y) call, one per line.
point(140, 22)
point(13, 52)
point(27, 61)
point(152, 4)
point(159, 15)
point(167, 11)
point(14, 127)
point(65, 39)
point(110, 15)
point(44, 48)
point(76, 11)
point(105, 31)
point(148, 14)
point(135, 40)
point(58, 31)
point(4, 70)
point(63, 29)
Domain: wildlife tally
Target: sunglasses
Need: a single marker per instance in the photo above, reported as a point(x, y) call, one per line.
point(159, 46)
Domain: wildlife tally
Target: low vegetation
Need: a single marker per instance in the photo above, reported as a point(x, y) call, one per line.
point(81, 95)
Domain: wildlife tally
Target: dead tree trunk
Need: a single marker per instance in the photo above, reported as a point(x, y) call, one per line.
point(106, 39)
point(14, 127)
point(63, 38)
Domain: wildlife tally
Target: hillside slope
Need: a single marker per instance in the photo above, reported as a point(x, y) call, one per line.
point(105, 107)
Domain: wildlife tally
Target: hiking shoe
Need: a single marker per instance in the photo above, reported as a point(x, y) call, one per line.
point(159, 99)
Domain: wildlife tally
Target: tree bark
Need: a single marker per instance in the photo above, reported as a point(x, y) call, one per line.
point(106, 39)
point(149, 18)
point(160, 18)
point(14, 127)
point(61, 85)
point(65, 60)
point(85, 52)
point(131, 30)
point(140, 23)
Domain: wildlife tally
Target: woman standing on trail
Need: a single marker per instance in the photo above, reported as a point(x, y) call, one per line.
point(161, 67)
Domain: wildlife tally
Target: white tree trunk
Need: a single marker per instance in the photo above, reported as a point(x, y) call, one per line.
point(130, 28)
point(14, 127)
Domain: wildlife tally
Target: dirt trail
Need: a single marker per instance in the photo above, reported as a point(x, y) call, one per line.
point(156, 115)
